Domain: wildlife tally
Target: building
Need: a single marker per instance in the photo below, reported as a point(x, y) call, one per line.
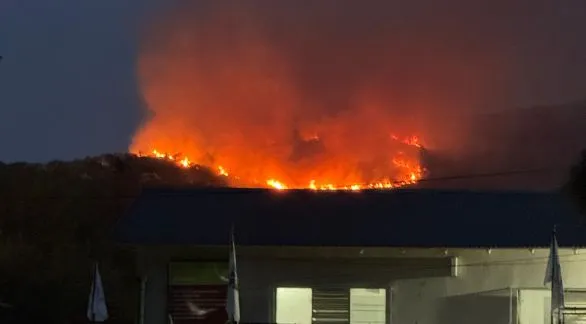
point(372, 257)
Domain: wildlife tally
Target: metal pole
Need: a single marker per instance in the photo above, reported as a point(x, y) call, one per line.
point(93, 299)
point(551, 303)
point(143, 283)
point(510, 305)
point(553, 275)
point(389, 305)
point(517, 305)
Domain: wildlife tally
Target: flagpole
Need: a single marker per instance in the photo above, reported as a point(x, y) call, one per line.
point(233, 255)
point(94, 279)
point(233, 296)
point(97, 311)
point(553, 268)
point(556, 281)
point(231, 251)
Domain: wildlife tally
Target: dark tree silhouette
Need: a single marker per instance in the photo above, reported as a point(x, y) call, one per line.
point(56, 218)
point(576, 185)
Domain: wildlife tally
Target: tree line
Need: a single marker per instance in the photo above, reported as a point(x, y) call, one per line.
point(56, 219)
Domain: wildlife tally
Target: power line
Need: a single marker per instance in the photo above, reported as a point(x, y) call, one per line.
point(497, 174)
point(424, 180)
point(343, 275)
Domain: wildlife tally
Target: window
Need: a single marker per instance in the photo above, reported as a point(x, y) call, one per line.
point(535, 306)
point(368, 306)
point(293, 305)
point(330, 305)
point(575, 307)
point(197, 292)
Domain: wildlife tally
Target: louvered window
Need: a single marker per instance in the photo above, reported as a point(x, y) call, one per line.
point(368, 306)
point(331, 306)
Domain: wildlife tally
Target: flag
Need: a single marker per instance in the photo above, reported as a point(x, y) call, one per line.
point(553, 275)
point(233, 296)
point(97, 311)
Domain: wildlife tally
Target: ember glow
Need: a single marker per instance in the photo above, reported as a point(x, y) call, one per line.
point(274, 94)
point(410, 170)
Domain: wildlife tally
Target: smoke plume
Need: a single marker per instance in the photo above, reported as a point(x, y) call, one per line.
point(305, 90)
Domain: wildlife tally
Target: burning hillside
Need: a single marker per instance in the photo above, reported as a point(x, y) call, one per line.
point(292, 96)
point(404, 168)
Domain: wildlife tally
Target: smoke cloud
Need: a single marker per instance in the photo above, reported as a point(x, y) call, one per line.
point(299, 90)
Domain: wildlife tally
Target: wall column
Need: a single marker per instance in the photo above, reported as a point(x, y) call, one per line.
point(154, 295)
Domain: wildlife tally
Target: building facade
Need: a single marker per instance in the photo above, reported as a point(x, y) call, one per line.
point(422, 257)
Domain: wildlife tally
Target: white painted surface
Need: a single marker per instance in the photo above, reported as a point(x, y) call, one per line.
point(479, 294)
point(483, 279)
point(293, 305)
point(368, 306)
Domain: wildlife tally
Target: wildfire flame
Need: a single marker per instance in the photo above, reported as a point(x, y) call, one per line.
point(266, 101)
point(411, 168)
point(276, 184)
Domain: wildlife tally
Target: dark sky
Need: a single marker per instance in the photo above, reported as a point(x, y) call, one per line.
point(68, 86)
point(67, 80)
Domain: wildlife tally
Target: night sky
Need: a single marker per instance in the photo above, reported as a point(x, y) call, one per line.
point(68, 85)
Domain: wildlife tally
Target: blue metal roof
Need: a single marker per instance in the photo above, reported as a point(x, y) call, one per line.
point(398, 218)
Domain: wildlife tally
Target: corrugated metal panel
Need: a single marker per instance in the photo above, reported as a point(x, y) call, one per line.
point(400, 218)
point(330, 306)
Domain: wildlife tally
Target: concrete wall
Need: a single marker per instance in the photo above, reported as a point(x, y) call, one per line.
point(259, 278)
point(423, 288)
point(534, 306)
point(479, 293)
point(153, 270)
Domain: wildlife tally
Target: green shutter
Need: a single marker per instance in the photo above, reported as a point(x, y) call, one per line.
point(198, 273)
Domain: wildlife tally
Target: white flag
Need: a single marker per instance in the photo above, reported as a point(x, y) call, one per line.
point(233, 299)
point(97, 311)
point(553, 275)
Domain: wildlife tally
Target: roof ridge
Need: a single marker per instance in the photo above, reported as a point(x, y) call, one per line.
point(397, 217)
point(192, 190)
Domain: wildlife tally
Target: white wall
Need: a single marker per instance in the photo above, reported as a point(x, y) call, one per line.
point(534, 306)
point(439, 300)
point(427, 301)
point(155, 295)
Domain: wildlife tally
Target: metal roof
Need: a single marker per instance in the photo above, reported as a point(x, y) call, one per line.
point(397, 218)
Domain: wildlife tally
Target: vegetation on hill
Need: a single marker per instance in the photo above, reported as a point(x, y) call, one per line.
point(57, 218)
point(576, 185)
